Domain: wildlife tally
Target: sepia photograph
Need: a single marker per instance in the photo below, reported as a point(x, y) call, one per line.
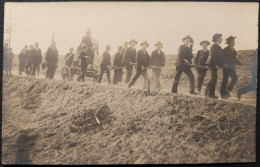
point(129, 82)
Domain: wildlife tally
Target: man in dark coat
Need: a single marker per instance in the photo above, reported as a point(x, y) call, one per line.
point(252, 86)
point(230, 60)
point(69, 58)
point(157, 62)
point(201, 59)
point(104, 65)
point(118, 71)
point(214, 62)
point(51, 60)
point(129, 59)
point(183, 61)
point(22, 59)
point(85, 60)
point(143, 62)
point(87, 39)
point(35, 58)
point(28, 63)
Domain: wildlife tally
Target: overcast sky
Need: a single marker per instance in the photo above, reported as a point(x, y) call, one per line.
point(115, 22)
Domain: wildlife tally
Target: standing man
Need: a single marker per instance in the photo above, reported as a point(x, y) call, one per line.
point(230, 60)
point(10, 61)
point(5, 62)
point(252, 86)
point(183, 63)
point(35, 58)
point(104, 65)
point(86, 39)
point(22, 59)
point(157, 62)
point(51, 60)
point(129, 59)
point(69, 57)
point(28, 64)
point(200, 60)
point(85, 60)
point(143, 62)
point(214, 62)
point(118, 71)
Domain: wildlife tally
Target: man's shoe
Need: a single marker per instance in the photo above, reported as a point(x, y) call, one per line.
point(174, 92)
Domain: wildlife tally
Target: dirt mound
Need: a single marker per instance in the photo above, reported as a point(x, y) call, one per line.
point(58, 122)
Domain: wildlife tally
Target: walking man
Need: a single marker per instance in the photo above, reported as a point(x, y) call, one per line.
point(200, 60)
point(104, 65)
point(85, 60)
point(214, 62)
point(51, 60)
point(36, 58)
point(143, 62)
point(129, 59)
point(182, 64)
point(118, 70)
point(69, 57)
point(230, 60)
point(22, 59)
point(157, 62)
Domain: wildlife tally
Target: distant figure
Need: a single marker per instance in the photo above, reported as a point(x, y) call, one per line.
point(157, 62)
point(22, 59)
point(118, 71)
point(86, 39)
point(201, 59)
point(104, 65)
point(36, 58)
point(28, 63)
point(125, 47)
point(183, 61)
point(214, 62)
point(85, 60)
point(129, 59)
point(143, 62)
point(230, 60)
point(6, 57)
point(10, 61)
point(252, 86)
point(69, 58)
point(51, 60)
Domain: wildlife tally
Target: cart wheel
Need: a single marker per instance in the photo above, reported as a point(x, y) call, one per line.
point(66, 73)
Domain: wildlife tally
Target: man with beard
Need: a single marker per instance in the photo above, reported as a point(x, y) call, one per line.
point(22, 59)
point(35, 58)
point(129, 59)
point(118, 71)
point(230, 60)
point(51, 60)
point(143, 62)
point(157, 62)
point(104, 65)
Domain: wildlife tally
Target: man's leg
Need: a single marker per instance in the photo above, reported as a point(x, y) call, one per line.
point(115, 79)
point(190, 75)
point(223, 89)
point(34, 66)
point(129, 70)
point(38, 69)
point(213, 80)
point(108, 75)
point(144, 74)
point(201, 75)
point(20, 68)
point(234, 78)
point(177, 77)
point(120, 75)
point(100, 75)
point(137, 75)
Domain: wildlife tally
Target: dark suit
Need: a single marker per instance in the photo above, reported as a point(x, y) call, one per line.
point(215, 59)
point(103, 67)
point(69, 59)
point(83, 56)
point(35, 59)
point(22, 60)
point(143, 61)
point(118, 73)
point(51, 60)
point(158, 60)
point(201, 59)
point(129, 56)
point(229, 58)
point(184, 53)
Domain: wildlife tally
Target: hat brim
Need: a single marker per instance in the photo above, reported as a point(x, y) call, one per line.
point(132, 41)
point(186, 38)
point(145, 43)
point(158, 44)
point(204, 42)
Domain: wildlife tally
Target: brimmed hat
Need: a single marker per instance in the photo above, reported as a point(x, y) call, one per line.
point(158, 43)
point(229, 39)
point(145, 42)
point(187, 37)
point(205, 41)
point(216, 36)
point(133, 40)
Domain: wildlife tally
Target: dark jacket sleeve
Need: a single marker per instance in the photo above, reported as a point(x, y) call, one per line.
point(236, 60)
point(180, 58)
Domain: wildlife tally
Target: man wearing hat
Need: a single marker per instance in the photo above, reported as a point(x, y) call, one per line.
point(86, 39)
point(143, 62)
point(69, 57)
point(118, 71)
point(36, 58)
point(182, 64)
point(230, 60)
point(157, 62)
point(129, 59)
point(104, 65)
point(85, 60)
point(51, 60)
point(201, 59)
point(214, 62)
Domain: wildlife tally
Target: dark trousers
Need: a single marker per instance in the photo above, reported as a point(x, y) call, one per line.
point(50, 72)
point(211, 85)
point(250, 87)
point(155, 80)
point(201, 76)
point(129, 71)
point(179, 71)
point(118, 73)
point(21, 66)
point(140, 72)
point(10, 65)
point(38, 69)
point(83, 73)
point(102, 70)
point(34, 68)
point(228, 72)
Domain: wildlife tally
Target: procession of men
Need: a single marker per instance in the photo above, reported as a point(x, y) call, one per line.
point(127, 57)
